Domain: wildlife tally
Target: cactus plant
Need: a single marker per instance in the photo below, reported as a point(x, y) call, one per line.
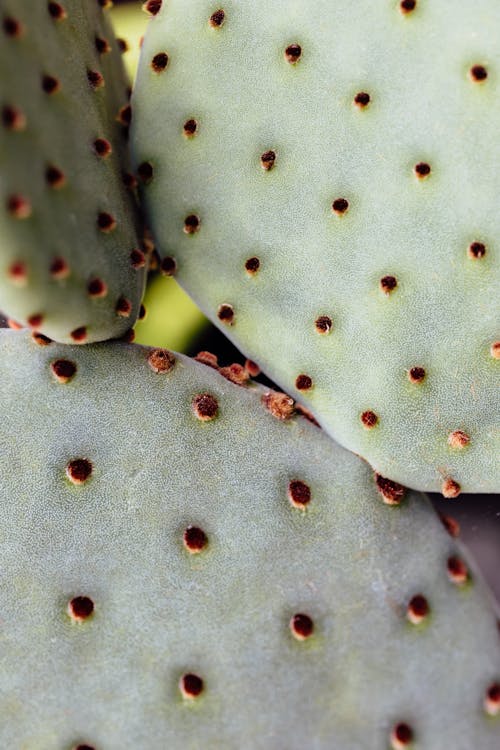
point(71, 260)
point(187, 560)
point(324, 181)
point(180, 568)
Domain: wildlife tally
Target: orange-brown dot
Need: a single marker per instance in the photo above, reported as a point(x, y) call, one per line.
point(492, 700)
point(152, 7)
point(50, 84)
point(79, 470)
point(392, 493)
point(79, 335)
point(161, 360)
point(12, 27)
point(418, 609)
point(301, 626)
point(106, 222)
point(293, 53)
point(80, 608)
point(340, 206)
point(137, 258)
point(416, 375)
point(450, 488)
point(168, 266)
point(205, 406)
point(280, 405)
point(495, 350)
point(299, 494)
point(369, 419)
point(54, 177)
point(407, 6)
point(422, 169)
point(13, 119)
point(123, 307)
point(323, 324)
point(102, 45)
point(236, 373)
point(191, 224)
point(478, 73)
point(362, 99)
point(63, 370)
point(191, 686)
point(190, 128)
point(207, 358)
point(40, 339)
point(59, 269)
point(458, 439)
point(303, 382)
point(18, 272)
point(159, 62)
point(451, 525)
point(476, 250)
point(95, 79)
point(388, 284)
point(105, 3)
point(217, 19)
point(268, 160)
point(154, 256)
point(56, 11)
point(401, 736)
point(129, 180)
point(128, 337)
point(195, 539)
point(457, 570)
point(97, 288)
point(19, 207)
point(252, 265)
point(35, 321)
point(14, 325)
point(252, 368)
point(145, 172)
point(102, 148)
point(122, 45)
point(225, 313)
point(124, 115)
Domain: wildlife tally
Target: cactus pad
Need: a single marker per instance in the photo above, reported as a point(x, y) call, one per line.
point(326, 177)
point(71, 264)
point(182, 569)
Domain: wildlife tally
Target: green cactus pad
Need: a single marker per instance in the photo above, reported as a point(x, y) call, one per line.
point(71, 264)
point(181, 569)
point(326, 176)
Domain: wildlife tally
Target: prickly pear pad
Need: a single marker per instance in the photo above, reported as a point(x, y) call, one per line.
point(180, 568)
point(326, 177)
point(71, 264)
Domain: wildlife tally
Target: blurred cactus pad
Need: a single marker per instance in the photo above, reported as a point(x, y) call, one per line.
point(72, 264)
point(187, 564)
point(324, 179)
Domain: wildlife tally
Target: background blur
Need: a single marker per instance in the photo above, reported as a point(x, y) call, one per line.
point(173, 321)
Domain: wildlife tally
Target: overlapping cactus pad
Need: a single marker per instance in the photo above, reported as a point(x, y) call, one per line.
point(181, 568)
point(71, 264)
point(325, 177)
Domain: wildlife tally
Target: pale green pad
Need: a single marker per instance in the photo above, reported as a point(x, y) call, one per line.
point(59, 272)
point(425, 108)
point(348, 561)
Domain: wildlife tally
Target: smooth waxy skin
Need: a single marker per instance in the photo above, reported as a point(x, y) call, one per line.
point(433, 233)
point(62, 158)
point(348, 561)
